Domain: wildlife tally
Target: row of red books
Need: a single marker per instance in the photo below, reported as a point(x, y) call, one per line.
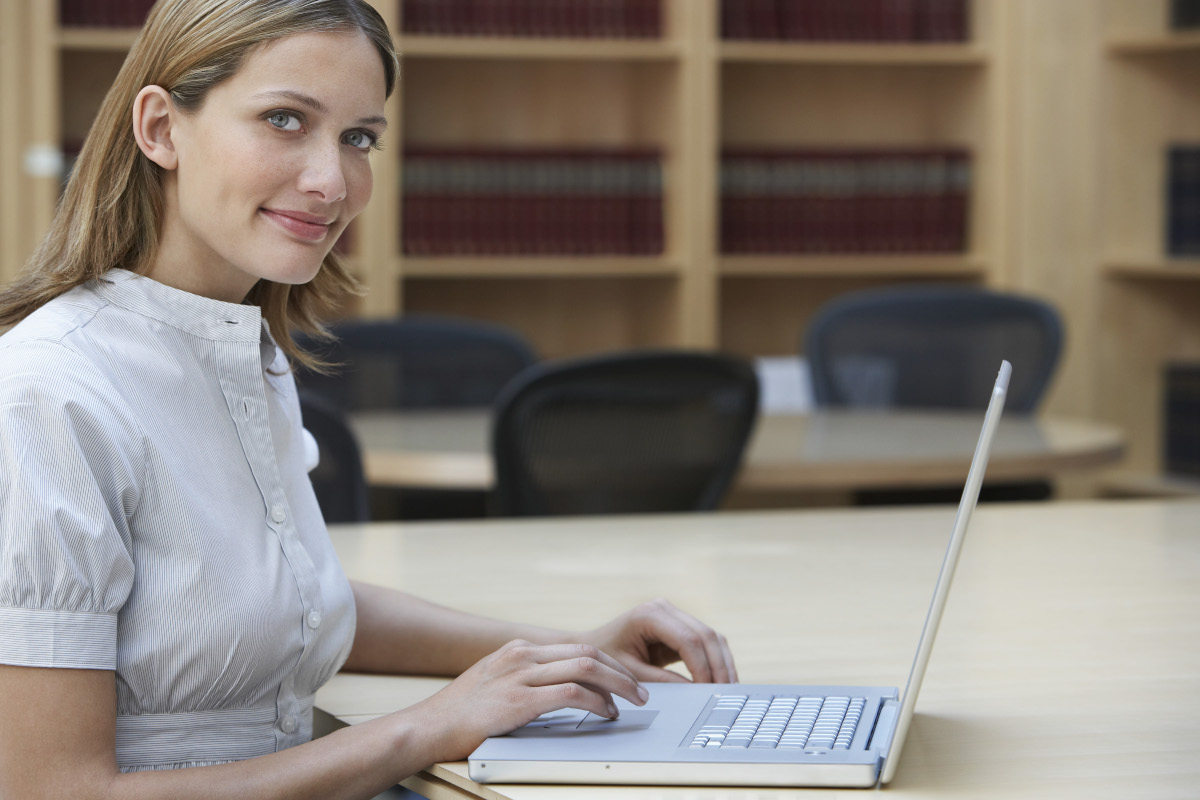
point(532, 202)
point(103, 13)
point(846, 20)
point(845, 201)
point(627, 19)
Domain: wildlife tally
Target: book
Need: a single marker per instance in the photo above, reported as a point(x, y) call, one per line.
point(1181, 418)
point(103, 13)
point(838, 200)
point(531, 201)
point(846, 20)
point(596, 19)
point(1185, 14)
point(1183, 201)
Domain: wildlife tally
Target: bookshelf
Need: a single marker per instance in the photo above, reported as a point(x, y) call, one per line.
point(867, 95)
point(1149, 298)
point(688, 94)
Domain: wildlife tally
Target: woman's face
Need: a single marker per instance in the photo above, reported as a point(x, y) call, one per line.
point(273, 166)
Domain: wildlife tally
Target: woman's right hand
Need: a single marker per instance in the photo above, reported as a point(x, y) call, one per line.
point(516, 685)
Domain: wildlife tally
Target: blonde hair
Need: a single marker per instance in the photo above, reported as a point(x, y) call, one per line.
point(111, 211)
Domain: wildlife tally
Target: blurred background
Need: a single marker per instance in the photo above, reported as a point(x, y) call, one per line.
point(601, 175)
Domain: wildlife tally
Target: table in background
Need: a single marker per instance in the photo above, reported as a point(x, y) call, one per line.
point(1067, 663)
point(823, 451)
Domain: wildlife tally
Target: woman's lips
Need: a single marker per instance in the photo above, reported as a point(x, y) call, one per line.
point(306, 226)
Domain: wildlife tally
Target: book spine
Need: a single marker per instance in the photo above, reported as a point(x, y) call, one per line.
point(1181, 419)
point(531, 201)
point(1183, 200)
point(1185, 14)
point(844, 201)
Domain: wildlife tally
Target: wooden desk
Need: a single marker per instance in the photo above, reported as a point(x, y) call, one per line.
point(1067, 664)
point(829, 450)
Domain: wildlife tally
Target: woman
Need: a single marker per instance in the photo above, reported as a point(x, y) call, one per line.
point(168, 594)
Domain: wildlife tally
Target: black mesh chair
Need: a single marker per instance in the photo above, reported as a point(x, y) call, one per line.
point(338, 478)
point(633, 432)
point(933, 347)
point(417, 361)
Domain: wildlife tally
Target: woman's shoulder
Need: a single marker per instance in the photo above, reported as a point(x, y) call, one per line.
point(55, 322)
point(49, 352)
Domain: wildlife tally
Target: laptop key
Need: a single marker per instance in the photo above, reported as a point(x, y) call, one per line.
point(720, 718)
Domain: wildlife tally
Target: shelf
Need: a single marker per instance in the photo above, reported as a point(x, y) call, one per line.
point(534, 266)
point(841, 266)
point(98, 39)
point(855, 53)
point(1183, 269)
point(537, 49)
point(1156, 45)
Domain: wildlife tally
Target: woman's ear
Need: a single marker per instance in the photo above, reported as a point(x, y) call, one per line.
point(153, 114)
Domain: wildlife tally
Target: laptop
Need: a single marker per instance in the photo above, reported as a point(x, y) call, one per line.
point(695, 734)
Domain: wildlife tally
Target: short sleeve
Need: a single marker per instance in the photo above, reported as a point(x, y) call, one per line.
point(71, 461)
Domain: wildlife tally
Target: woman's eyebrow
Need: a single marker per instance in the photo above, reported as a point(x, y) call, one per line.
point(311, 102)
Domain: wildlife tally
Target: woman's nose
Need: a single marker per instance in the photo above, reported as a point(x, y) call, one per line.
point(323, 174)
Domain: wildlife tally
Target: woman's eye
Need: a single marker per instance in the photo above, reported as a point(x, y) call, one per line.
point(285, 122)
point(360, 139)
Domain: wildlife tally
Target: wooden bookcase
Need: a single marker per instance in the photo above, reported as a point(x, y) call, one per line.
point(30, 162)
point(688, 94)
point(1151, 301)
point(691, 94)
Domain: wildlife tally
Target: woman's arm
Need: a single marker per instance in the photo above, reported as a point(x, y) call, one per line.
point(402, 634)
point(58, 730)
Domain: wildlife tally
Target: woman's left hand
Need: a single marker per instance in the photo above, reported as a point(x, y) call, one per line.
point(655, 634)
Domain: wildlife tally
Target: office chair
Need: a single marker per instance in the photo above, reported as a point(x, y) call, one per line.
point(631, 432)
point(338, 478)
point(417, 361)
point(933, 347)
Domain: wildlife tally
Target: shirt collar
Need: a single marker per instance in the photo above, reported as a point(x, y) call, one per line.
point(192, 313)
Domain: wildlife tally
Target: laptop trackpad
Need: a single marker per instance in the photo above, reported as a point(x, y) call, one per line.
point(573, 721)
point(634, 719)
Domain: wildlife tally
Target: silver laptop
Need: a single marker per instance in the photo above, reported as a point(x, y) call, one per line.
point(737, 734)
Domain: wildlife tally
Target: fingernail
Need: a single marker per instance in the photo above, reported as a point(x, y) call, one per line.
point(642, 694)
point(612, 711)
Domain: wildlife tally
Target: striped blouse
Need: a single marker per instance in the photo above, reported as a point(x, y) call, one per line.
point(156, 519)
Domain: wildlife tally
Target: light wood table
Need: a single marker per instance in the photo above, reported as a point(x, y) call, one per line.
point(828, 450)
point(1067, 664)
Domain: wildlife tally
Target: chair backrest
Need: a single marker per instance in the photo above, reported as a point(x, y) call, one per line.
point(338, 478)
point(632, 432)
point(416, 361)
point(931, 347)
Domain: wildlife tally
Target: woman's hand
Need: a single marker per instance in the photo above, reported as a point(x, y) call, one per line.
point(516, 685)
point(656, 634)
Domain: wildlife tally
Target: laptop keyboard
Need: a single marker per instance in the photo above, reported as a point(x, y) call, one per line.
point(781, 722)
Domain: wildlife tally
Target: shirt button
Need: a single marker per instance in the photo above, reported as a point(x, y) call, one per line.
point(288, 724)
point(314, 619)
point(278, 514)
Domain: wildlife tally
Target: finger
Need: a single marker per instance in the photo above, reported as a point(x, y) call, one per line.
point(546, 654)
point(648, 673)
point(730, 667)
point(698, 645)
point(592, 675)
point(546, 699)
